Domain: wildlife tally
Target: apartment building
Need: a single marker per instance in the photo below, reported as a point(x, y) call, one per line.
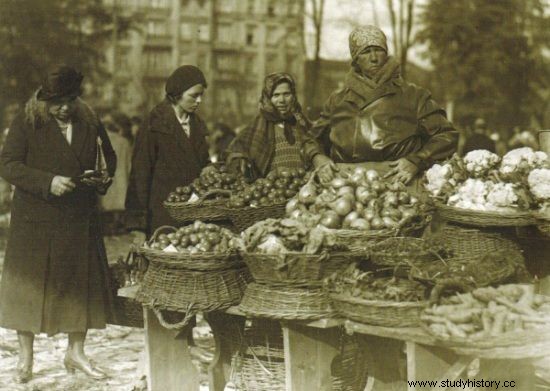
point(235, 42)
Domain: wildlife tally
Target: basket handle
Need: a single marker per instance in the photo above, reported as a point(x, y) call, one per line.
point(174, 326)
point(210, 193)
point(158, 231)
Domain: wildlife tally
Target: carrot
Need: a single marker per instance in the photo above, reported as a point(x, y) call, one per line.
point(463, 315)
point(486, 321)
point(432, 319)
point(454, 330)
point(498, 325)
point(440, 330)
point(485, 294)
point(512, 292)
point(515, 307)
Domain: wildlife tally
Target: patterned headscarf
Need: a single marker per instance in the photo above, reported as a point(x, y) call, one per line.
point(269, 111)
point(363, 37)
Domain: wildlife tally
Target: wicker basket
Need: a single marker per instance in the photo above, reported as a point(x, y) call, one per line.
point(191, 291)
point(296, 269)
point(245, 217)
point(512, 345)
point(128, 312)
point(401, 251)
point(543, 224)
point(204, 209)
point(186, 261)
point(477, 218)
point(264, 301)
point(378, 312)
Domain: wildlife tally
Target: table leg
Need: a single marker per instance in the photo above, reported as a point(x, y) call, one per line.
point(169, 365)
point(228, 331)
point(309, 353)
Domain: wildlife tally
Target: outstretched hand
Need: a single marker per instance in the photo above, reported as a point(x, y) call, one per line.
point(325, 168)
point(403, 171)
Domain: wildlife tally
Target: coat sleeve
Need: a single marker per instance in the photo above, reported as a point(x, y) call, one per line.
point(141, 177)
point(322, 126)
point(240, 146)
point(13, 167)
point(441, 138)
point(203, 155)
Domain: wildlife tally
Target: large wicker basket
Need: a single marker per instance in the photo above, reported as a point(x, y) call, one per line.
point(402, 251)
point(297, 269)
point(283, 302)
point(476, 218)
point(128, 312)
point(245, 217)
point(204, 208)
point(378, 312)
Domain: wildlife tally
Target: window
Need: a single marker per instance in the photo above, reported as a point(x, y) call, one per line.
point(122, 57)
point(204, 32)
point(250, 6)
point(227, 62)
point(274, 35)
point(250, 65)
point(294, 7)
point(224, 33)
point(157, 60)
point(156, 28)
point(271, 8)
point(227, 6)
point(186, 31)
point(251, 35)
point(292, 38)
point(159, 3)
point(187, 58)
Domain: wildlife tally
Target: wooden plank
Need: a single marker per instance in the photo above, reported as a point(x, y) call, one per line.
point(386, 363)
point(410, 334)
point(228, 331)
point(309, 353)
point(432, 363)
point(129, 292)
point(323, 323)
point(169, 366)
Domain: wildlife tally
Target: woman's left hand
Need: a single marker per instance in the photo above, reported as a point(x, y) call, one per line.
point(403, 170)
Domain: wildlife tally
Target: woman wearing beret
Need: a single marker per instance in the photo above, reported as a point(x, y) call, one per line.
point(278, 136)
point(170, 150)
point(380, 119)
point(55, 272)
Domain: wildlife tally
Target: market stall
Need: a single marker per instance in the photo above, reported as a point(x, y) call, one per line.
point(423, 285)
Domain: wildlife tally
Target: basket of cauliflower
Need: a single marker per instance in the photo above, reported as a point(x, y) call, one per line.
point(484, 190)
point(539, 183)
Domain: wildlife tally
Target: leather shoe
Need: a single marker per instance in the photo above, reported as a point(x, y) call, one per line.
point(85, 367)
point(23, 373)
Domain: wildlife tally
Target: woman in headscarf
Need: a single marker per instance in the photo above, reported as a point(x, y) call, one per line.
point(278, 137)
point(55, 277)
point(381, 119)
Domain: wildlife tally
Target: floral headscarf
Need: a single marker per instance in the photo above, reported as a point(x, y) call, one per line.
point(269, 111)
point(363, 37)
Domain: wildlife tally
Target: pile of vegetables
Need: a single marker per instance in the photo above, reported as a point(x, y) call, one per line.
point(276, 188)
point(489, 312)
point(366, 285)
point(280, 236)
point(485, 182)
point(198, 237)
point(212, 177)
point(358, 200)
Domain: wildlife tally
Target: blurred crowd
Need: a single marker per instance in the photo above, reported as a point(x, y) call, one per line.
point(122, 130)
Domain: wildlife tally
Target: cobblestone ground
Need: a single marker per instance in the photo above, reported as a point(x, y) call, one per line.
point(117, 349)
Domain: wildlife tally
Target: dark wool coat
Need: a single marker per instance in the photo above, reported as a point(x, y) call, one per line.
point(55, 271)
point(164, 158)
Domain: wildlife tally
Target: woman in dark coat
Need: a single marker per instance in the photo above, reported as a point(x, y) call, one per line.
point(55, 270)
point(278, 137)
point(170, 151)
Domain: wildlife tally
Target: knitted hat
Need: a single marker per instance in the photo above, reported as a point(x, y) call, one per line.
point(62, 82)
point(184, 78)
point(363, 37)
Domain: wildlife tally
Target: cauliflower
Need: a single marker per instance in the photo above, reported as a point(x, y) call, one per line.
point(503, 195)
point(480, 161)
point(272, 245)
point(471, 195)
point(539, 183)
point(522, 160)
point(438, 176)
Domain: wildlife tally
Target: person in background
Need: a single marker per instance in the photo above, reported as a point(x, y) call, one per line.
point(278, 136)
point(380, 120)
point(170, 150)
point(219, 139)
point(55, 277)
point(137, 123)
point(112, 203)
point(521, 139)
point(479, 139)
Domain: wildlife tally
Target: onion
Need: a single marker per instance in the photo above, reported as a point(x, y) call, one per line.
point(363, 195)
point(392, 213)
point(404, 197)
point(413, 200)
point(377, 186)
point(389, 222)
point(338, 182)
point(357, 178)
point(377, 223)
point(307, 194)
point(330, 220)
point(361, 224)
point(350, 217)
point(369, 214)
point(296, 214)
point(359, 207)
point(292, 205)
point(342, 206)
point(372, 175)
point(391, 199)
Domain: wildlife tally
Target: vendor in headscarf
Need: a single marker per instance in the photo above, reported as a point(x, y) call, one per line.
point(378, 117)
point(277, 138)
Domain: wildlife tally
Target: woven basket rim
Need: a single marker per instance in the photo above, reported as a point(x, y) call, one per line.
point(376, 303)
point(484, 218)
point(199, 262)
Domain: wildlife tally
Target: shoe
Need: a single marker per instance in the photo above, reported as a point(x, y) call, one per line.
point(23, 373)
point(85, 367)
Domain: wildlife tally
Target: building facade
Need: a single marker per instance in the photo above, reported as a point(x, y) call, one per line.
point(235, 42)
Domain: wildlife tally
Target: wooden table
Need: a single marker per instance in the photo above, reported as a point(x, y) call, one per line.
point(394, 355)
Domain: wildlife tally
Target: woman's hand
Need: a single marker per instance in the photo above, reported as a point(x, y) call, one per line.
point(403, 171)
point(237, 166)
point(325, 168)
point(61, 185)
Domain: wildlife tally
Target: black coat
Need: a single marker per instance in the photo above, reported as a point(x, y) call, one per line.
point(164, 158)
point(55, 271)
